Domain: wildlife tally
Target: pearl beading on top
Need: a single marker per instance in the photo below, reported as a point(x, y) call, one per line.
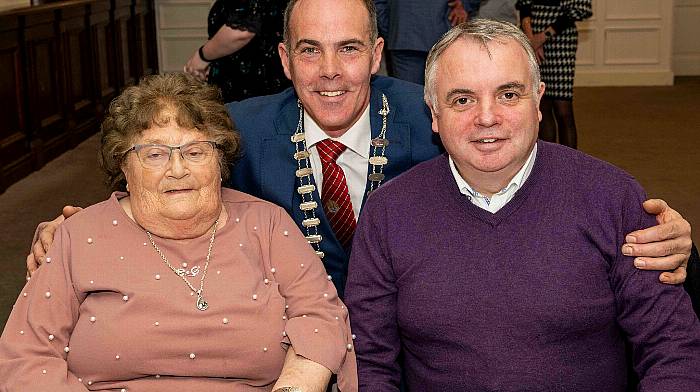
point(224, 320)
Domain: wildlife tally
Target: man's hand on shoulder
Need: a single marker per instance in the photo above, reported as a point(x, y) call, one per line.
point(43, 238)
point(665, 247)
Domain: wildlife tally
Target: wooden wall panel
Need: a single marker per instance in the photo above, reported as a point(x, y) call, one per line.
point(43, 67)
point(145, 33)
point(62, 63)
point(123, 36)
point(15, 154)
point(80, 98)
point(103, 51)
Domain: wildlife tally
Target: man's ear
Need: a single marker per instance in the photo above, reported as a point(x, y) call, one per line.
point(377, 54)
point(284, 58)
point(540, 93)
point(433, 114)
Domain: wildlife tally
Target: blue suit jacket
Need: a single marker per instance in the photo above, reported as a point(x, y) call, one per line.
point(267, 166)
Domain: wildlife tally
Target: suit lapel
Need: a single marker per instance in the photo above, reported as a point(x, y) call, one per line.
point(277, 162)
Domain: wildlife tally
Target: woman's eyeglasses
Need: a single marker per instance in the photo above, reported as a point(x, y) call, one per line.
point(157, 156)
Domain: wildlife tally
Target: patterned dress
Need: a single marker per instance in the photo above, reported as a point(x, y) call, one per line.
point(255, 69)
point(560, 51)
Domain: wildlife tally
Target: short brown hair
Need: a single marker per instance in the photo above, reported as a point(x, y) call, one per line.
point(372, 21)
point(158, 100)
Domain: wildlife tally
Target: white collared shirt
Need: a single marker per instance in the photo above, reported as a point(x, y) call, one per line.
point(353, 160)
point(500, 199)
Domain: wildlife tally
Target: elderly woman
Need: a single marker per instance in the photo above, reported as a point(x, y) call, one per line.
point(177, 283)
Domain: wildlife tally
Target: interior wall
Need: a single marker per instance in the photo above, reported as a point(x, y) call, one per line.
point(626, 42)
point(686, 30)
point(181, 28)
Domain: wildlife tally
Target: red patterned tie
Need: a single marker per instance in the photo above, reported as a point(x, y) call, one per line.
point(335, 196)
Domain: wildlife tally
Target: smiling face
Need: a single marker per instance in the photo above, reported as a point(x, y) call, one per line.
point(330, 61)
point(487, 110)
point(178, 193)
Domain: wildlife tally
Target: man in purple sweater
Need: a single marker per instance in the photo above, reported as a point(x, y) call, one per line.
point(497, 267)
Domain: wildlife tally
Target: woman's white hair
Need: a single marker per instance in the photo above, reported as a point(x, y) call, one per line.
point(480, 30)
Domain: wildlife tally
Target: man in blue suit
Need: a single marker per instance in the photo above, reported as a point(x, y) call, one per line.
point(330, 52)
point(330, 66)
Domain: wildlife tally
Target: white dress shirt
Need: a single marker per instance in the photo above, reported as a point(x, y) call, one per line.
point(498, 200)
point(353, 161)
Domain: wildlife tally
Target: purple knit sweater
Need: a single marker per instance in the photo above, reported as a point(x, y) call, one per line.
point(534, 297)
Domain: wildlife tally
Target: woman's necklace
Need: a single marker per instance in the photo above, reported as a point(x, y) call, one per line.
point(304, 173)
point(201, 302)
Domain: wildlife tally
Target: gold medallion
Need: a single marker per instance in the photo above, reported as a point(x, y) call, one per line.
point(308, 206)
point(306, 189)
point(301, 155)
point(376, 177)
point(314, 238)
point(311, 222)
point(304, 172)
point(380, 142)
point(380, 160)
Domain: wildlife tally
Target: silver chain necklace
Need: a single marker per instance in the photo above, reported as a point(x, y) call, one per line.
point(201, 303)
point(304, 173)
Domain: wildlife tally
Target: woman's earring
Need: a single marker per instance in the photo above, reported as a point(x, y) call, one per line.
point(127, 187)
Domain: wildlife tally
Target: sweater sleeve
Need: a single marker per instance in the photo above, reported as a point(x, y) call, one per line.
point(33, 346)
point(657, 318)
point(371, 294)
point(317, 320)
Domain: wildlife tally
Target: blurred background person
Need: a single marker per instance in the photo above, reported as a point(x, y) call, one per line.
point(411, 27)
point(240, 56)
point(550, 26)
point(501, 10)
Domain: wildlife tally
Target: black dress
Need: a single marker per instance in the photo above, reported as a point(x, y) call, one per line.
point(255, 69)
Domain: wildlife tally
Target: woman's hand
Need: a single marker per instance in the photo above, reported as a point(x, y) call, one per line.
point(197, 67)
point(302, 373)
point(539, 52)
point(537, 40)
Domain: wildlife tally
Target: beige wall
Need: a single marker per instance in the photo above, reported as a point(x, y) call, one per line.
point(626, 42)
point(686, 37)
point(181, 27)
